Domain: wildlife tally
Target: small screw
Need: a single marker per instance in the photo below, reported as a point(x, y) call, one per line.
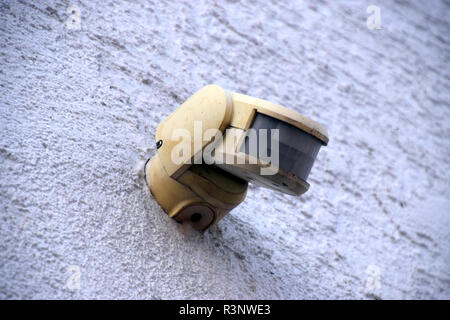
point(159, 144)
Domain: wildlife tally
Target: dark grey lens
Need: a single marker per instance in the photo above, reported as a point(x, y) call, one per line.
point(297, 149)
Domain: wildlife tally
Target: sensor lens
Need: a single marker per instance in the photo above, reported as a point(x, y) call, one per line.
point(297, 149)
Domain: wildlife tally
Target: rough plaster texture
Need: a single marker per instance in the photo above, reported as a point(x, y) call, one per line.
point(78, 112)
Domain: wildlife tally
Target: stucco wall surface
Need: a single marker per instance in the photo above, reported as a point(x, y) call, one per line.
point(78, 112)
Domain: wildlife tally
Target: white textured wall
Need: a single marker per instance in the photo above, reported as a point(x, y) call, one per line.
point(78, 112)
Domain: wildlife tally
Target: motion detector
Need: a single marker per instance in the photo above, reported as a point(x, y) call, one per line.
point(216, 142)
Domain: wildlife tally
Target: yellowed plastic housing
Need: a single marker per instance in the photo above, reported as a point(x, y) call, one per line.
point(201, 194)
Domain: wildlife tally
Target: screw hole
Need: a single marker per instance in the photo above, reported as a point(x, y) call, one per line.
point(196, 217)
